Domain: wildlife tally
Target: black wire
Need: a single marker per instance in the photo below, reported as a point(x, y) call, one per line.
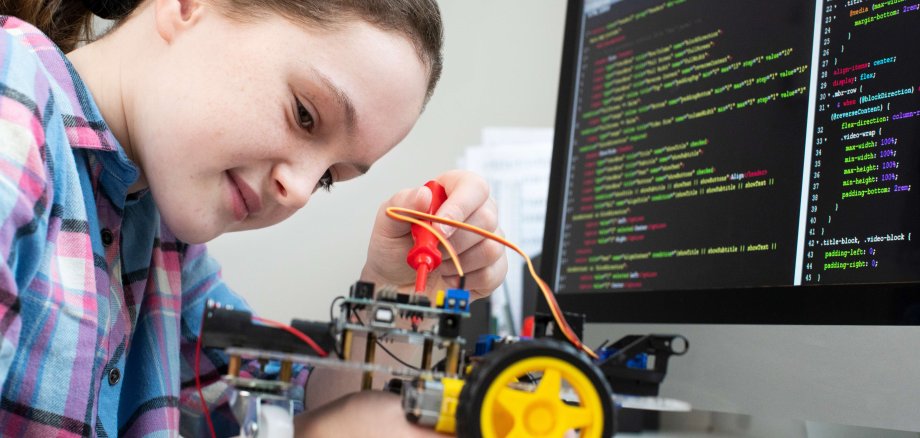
point(507, 308)
point(404, 363)
point(396, 358)
point(332, 306)
point(355, 312)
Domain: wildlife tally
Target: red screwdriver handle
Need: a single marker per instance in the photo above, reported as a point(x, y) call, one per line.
point(424, 256)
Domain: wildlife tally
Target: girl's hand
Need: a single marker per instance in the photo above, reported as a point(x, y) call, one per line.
point(361, 414)
point(483, 261)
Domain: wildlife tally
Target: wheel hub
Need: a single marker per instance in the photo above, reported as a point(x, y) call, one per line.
point(539, 419)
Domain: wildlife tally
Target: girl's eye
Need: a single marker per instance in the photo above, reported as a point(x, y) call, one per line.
point(325, 182)
point(304, 118)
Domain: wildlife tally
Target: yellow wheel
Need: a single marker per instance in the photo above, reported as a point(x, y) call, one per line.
point(543, 388)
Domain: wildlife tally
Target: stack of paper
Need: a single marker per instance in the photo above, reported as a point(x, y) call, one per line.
point(516, 163)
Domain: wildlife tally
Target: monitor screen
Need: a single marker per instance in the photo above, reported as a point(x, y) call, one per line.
point(738, 161)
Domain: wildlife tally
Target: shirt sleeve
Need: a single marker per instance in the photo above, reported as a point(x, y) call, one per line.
point(201, 281)
point(24, 209)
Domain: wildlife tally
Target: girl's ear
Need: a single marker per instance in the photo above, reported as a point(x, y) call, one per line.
point(175, 16)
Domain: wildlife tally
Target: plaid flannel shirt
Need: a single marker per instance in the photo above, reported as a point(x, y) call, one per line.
point(100, 305)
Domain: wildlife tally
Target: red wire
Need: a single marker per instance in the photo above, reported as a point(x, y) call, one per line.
point(204, 404)
point(299, 334)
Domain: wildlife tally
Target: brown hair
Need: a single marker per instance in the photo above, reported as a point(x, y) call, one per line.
point(69, 22)
point(66, 22)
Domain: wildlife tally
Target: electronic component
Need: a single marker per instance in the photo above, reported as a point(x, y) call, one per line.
point(489, 343)
point(227, 327)
point(432, 403)
point(362, 290)
point(627, 368)
point(449, 325)
point(401, 298)
point(458, 395)
point(456, 300)
point(484, 344)
point(383, 315)
point(545, 325)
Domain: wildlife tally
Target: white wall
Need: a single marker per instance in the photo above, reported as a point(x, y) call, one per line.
point(501, 69)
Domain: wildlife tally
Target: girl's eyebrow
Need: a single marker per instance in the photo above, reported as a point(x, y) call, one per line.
point(351, 116)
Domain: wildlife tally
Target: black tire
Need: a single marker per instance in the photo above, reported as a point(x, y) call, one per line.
point(491, 365)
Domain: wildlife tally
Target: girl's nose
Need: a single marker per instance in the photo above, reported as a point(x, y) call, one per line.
point(293, 187)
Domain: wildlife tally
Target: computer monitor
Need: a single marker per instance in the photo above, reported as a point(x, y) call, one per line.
point(746, 173)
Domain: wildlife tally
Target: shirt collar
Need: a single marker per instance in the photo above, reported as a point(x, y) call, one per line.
point(83, 122)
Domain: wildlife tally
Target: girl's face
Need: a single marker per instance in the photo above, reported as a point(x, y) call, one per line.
point(238, 124)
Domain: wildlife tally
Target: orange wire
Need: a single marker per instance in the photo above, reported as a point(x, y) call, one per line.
point(392, 213)
point(547, 293)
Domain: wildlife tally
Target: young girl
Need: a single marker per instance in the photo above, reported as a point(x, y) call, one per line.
point(190, 119)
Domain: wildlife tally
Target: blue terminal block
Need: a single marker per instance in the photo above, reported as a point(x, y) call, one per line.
point(457, 300)
point(485, 344)
point(639, 361)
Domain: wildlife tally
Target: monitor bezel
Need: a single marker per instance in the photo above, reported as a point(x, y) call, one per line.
point(851, 304)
